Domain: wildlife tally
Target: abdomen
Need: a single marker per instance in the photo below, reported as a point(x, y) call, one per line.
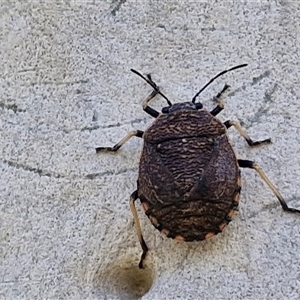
point(193, 189)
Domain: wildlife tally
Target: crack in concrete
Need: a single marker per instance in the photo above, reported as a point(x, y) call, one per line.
point(110, 173)
point(117, 6)
point(38, 171)
point(59, 82)
point(95, 127)
point(90, 176)
point(12, 107)
point(257, 79)
point(264, 108)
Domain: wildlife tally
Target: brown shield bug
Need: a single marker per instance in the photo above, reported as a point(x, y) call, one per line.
point(189, 179)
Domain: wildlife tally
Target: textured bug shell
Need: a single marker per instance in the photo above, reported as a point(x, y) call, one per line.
point(189, 180)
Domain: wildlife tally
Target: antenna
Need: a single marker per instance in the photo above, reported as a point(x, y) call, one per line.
point(153, 84)
point(220, 74)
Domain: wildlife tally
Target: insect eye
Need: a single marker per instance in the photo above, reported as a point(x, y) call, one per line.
point(166, 110)
point(198, 105)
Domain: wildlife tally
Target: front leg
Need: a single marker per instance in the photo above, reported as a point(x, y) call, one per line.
point(152, 112)
point(149, 110)
point(219, 100)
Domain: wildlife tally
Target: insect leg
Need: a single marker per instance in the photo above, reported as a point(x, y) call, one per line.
point(137, 133)
point(133, 197)
point(243, 133)
point(252, 165)
point(149, 110)
point(152, 112)
point(219, 100)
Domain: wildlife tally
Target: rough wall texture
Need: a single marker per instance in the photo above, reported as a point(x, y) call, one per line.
point(66, 231)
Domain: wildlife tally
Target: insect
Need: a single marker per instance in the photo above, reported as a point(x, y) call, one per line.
point(189, 180)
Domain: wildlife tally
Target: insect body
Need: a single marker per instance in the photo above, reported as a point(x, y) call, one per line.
point(189, 177)
point(189, 180)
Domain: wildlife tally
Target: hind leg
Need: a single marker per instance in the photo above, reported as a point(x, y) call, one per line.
point(252, 165)
point(133, 198)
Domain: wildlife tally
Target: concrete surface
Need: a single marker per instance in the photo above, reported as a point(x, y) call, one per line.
point(66, 231)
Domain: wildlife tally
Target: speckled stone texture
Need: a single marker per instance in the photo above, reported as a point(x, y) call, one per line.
point(66, 230)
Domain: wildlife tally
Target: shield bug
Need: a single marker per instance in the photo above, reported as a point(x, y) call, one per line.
point(189, 180)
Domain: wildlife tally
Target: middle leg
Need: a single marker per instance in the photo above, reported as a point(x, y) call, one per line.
point(244, 134)
point(116, 147)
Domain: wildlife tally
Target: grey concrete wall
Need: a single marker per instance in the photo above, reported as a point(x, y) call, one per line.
point(66, 231)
